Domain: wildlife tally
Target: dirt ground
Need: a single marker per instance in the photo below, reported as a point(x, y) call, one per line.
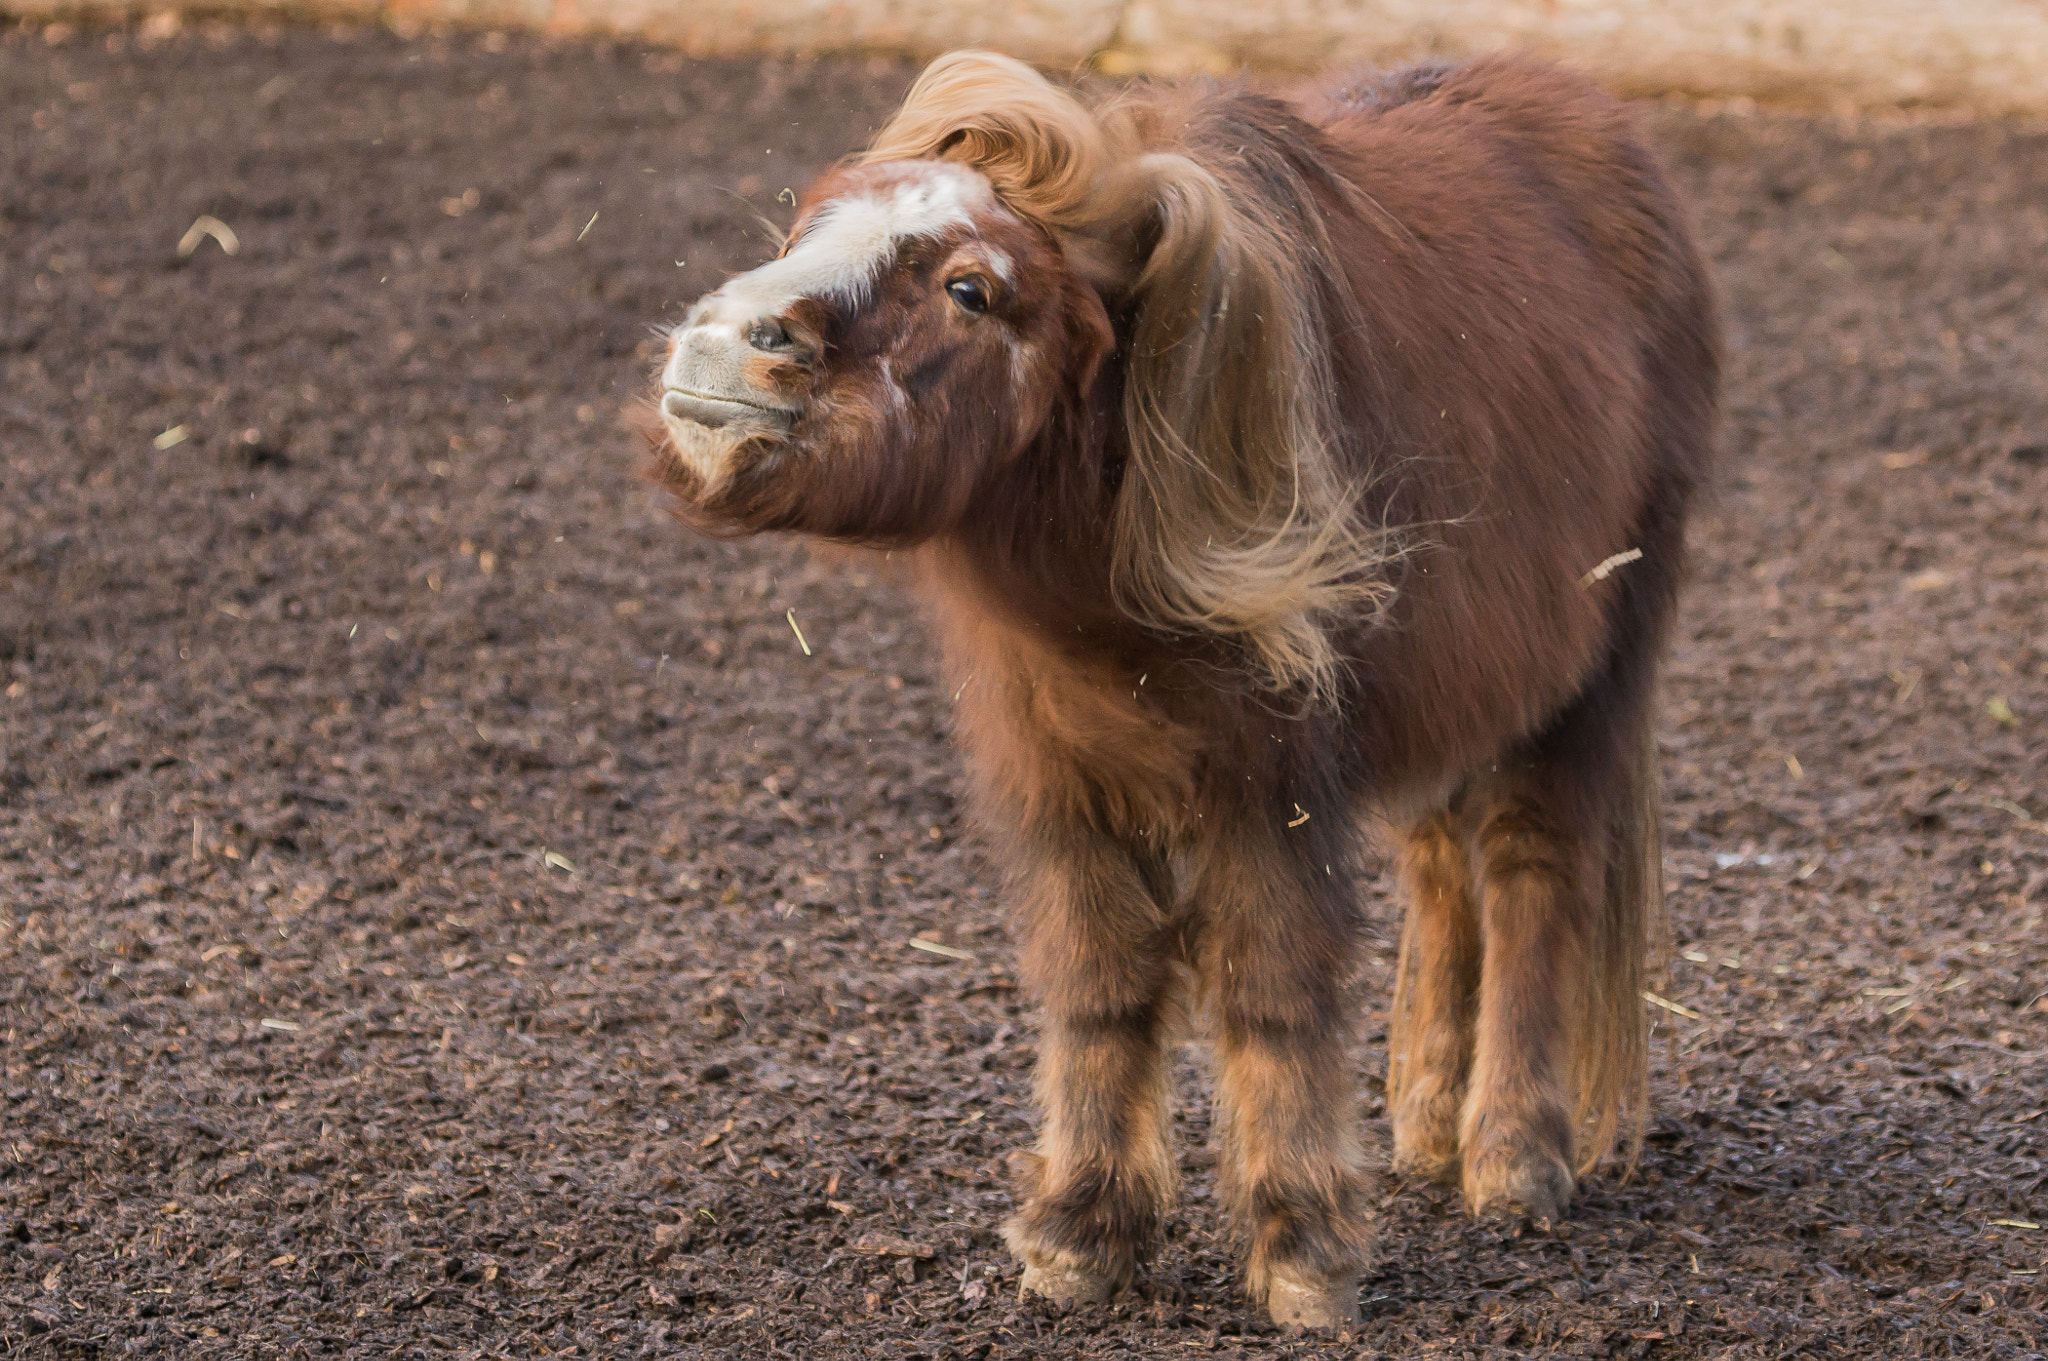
point(444, 912)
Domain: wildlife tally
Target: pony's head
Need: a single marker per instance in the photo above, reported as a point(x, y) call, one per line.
point(914, 333)
point(1006, 263)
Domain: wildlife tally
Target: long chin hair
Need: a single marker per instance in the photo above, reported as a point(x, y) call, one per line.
point(1231, 519)
point(694, 465)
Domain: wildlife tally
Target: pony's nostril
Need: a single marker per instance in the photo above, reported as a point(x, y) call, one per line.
point(769, 334)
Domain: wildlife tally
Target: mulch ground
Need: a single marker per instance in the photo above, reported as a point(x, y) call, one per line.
point(444, 912)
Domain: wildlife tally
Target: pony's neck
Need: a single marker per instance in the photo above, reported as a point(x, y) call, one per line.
point(1037, 559)
point(1038, 548)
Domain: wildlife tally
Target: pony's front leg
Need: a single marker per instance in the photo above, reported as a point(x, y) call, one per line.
point(1276, 939)
point(1096, 950)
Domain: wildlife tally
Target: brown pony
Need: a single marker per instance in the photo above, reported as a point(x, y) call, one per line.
point(1270, 467)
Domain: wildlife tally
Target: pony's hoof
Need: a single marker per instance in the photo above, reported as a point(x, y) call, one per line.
point(1316, 1306)
point(1426, 1132)
point(1534, 1187)
point(1432, 1162)
point(1066, 1286)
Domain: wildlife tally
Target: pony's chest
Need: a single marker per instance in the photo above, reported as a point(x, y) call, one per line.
point(1049, 735)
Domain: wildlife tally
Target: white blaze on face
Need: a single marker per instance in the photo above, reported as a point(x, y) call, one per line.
point(849, 240)
point(710, 397)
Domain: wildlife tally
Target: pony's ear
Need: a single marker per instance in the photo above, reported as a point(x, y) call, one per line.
point(1039, 146)
point(1091, 337)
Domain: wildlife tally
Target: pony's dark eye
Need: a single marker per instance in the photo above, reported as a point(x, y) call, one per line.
point(971, 293)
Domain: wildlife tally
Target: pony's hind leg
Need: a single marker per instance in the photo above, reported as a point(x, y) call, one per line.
point(1097, 950)
point(1436, 998)
point(1564, 837)
point(1275, 937)
point(1516, 1129)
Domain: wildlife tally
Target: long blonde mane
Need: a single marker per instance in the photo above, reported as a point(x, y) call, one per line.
point(1232, 518)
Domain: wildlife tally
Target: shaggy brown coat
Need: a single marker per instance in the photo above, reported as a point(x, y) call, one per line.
point(1327, 460)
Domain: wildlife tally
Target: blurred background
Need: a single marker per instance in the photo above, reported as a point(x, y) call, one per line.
point(1991, 55)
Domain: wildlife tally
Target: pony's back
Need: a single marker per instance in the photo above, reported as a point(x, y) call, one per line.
point(1530, 389)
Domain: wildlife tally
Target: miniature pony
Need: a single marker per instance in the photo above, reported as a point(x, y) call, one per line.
point(1277, 468)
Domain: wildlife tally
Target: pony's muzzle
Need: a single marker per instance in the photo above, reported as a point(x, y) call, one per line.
point(714, 374)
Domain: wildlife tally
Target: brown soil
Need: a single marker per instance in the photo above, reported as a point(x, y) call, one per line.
point(446, 913)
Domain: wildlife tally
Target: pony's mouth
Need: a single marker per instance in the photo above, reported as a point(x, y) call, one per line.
point(703, 408)
point(703, 437)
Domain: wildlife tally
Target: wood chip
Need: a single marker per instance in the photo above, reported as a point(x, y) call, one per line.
point(881, 1245)
point(791, 616)
point(933, 947)
point(273, 1023)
